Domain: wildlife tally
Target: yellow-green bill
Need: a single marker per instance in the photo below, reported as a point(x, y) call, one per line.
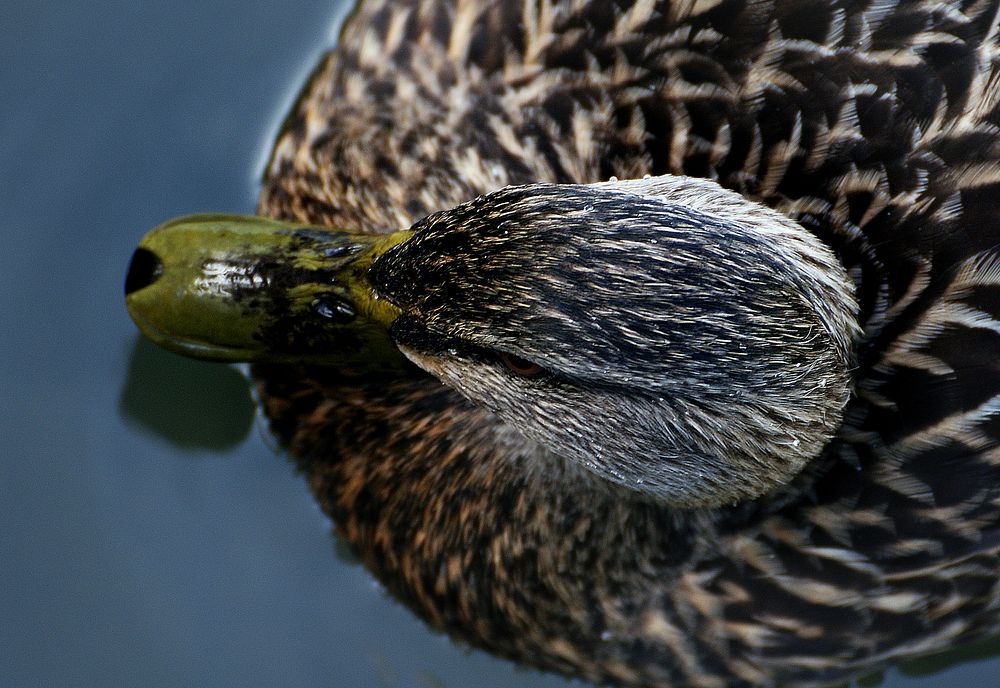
point(241, 288)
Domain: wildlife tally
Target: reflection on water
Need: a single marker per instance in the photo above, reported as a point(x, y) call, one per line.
point(192, 404)
point(939, 661)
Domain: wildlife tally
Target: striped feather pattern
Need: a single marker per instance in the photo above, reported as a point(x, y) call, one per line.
point(873, 123)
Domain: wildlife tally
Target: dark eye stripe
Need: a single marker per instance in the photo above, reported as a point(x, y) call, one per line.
point(520, 366)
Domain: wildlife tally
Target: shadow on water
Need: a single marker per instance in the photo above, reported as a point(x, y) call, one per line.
point(193, 405)
point(929, 665)
point(934, 663)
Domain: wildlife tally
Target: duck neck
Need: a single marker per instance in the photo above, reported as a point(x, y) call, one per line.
point(464, 521)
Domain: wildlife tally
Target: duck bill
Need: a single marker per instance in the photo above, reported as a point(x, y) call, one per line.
point(239, 288)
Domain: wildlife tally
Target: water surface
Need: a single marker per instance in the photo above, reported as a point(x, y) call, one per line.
point(151, 535)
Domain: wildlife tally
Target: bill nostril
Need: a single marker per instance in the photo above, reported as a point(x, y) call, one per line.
point(144, 269)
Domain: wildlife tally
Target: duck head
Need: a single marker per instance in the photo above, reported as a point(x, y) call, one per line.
point(669, 335)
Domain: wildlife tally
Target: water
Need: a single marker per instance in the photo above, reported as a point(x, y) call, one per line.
point(149, 533)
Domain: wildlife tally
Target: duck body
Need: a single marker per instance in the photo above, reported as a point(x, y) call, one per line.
point(874, 126)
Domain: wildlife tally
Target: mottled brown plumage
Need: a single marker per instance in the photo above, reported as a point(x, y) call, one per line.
point(873, 124)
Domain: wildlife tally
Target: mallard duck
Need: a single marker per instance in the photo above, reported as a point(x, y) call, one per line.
point(733, 420)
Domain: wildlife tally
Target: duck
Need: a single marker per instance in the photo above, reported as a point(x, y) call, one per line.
point(653, 343)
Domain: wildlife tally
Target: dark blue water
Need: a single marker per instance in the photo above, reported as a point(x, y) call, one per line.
point(149, 533)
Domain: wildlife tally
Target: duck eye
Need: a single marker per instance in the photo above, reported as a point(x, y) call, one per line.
point(520, 366)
